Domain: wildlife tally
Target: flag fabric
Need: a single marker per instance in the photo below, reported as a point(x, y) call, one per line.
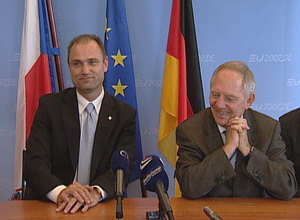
point(119, 80)
point(182, 93)
point(34, 76)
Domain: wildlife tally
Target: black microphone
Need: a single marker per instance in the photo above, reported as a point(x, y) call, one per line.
point(119, 165)
point(211, 214)
point(156, 180)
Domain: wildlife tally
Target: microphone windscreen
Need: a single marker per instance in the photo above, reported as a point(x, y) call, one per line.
point(119, 160)
point(152, 170)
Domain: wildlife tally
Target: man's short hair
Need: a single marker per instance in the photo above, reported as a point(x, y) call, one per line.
point(85, 38)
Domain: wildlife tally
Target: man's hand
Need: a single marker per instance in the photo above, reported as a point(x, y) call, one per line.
point(240, 125)
point(77, 196)
point(232, 142)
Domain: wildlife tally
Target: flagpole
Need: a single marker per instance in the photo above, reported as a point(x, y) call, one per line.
point(55, 45)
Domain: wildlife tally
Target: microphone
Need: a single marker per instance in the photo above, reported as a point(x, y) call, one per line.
point(119, 165)
point(211, 214)
point(155, 179)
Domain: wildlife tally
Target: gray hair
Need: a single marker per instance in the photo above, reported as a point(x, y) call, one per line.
point(242, 68)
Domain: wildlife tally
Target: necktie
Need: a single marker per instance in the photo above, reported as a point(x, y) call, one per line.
point(86, 145)
point(233, 157)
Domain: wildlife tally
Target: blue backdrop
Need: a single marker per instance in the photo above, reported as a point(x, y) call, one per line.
point(265, 34)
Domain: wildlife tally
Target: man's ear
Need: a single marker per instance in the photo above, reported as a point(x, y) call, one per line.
point(105, 64)
point(250, 100)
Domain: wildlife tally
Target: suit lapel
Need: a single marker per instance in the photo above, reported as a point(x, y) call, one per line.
point(253, 135)
point(70, 116)
point(213, 142)
point(106, 121)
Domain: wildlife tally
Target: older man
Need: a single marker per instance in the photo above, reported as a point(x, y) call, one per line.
point(230, 150)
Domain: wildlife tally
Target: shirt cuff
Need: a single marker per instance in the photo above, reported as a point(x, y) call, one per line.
point(101, 191)
point(53, 194)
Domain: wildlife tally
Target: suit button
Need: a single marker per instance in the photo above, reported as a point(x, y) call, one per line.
point(257, 175)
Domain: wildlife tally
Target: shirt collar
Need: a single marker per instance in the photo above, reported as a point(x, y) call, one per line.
point(82, 102)
point(221, 129)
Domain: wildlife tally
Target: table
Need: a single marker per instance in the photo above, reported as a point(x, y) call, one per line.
point(184, 209)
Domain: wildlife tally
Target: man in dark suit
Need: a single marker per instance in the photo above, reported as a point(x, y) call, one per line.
point(290, 132)
point(249, 161)
point(53, 147)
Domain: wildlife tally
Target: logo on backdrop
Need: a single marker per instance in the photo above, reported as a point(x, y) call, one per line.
point(148, 83)
point(7, 82)
point(270, 58)
point(272, 107)
point(150, 131)
point(4, 132)
point(207, 58)
point(292, 82)
point(16, 57)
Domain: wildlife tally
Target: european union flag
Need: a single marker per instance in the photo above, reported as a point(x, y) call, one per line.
point(119, 80)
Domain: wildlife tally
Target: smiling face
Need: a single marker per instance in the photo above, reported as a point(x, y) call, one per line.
point(227, 96)
point(87, 66)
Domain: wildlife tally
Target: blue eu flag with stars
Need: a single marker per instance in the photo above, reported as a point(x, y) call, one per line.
point(119, 80)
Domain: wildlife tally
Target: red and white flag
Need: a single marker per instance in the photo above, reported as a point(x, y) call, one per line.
point(34, 79)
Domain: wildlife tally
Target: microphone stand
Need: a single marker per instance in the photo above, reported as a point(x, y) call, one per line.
point(119, 209)
point(164, 208)
point(119, 195)
point(161, 211)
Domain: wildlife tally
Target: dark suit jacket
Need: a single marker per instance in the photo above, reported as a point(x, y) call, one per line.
point(290, 132)
point(203, 168)
point(52, 148)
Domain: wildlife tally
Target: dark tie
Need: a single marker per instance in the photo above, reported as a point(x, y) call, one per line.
point(86, 145)
point(233, 157)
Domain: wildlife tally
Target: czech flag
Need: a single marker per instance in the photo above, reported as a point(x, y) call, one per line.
point(34, 76)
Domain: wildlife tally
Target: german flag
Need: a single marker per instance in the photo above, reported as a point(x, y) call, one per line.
point(182, 94)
